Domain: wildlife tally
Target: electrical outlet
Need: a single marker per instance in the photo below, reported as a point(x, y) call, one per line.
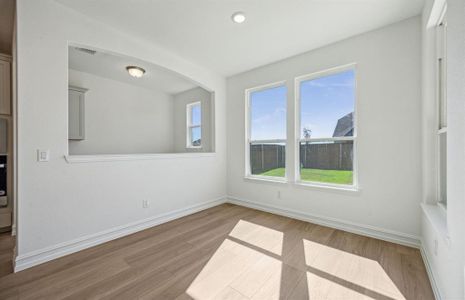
point(278, 195)
point(145, 203)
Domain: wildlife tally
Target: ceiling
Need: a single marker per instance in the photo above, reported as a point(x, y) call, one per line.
point(7, 16)
point(202, 31)
point(114, 67)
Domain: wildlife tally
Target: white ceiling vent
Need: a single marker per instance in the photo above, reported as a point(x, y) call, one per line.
point(85, 50)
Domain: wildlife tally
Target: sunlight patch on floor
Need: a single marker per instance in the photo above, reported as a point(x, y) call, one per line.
point(235, 272)
point(248, 265)
point(348, 267)
point(321, 288)
point(260, 236)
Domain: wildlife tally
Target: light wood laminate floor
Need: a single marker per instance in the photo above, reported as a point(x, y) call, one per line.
point(6, 253)
point(230, 252)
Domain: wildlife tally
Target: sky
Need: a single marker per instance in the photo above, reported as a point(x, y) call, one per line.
point(196, 117)
point(324, 100)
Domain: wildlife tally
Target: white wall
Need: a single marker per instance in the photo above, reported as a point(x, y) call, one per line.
point(448, 262)
point(121, 118)
point(180, 130)
point(429, 110)
point(389, 143)
point(60, 203)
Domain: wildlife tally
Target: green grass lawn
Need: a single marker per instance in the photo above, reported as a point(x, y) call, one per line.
point(328, 176)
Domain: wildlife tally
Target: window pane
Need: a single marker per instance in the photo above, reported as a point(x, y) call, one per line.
point(268, 159)
point(328, 162)
point(268, 114)
point(443, 168)
point(441, 36)
point(442, 95)
point(196, 115)
point(195, 135)
point(327, 106)
point(268, 122)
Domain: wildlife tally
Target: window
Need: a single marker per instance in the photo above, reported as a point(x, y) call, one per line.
point(441, 110)
point(325, 123)
point(327, 127)
point(194, 125)
point(266, 131)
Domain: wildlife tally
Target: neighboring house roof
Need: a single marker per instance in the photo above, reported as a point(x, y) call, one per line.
point(344, 126)
point(197, 142)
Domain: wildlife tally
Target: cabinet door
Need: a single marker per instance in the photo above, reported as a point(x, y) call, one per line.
point(5, 88)
point(76, 116)
point(3, 136)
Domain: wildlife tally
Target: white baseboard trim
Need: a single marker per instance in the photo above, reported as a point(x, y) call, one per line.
point(430, 272)
point(362, 229)
point(49, 253)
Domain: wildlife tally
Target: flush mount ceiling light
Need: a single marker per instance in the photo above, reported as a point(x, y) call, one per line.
point(238, 17)
point(135, 71)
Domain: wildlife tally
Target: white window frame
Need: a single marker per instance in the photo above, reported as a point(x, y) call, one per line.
point(248, 128)
point(441, 99)
point(298, 139)
point(190, 126)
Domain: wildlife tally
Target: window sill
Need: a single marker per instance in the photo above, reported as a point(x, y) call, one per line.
point(328, 187)
point(266, 179)
point(71, 159)
point(303, 184)
point(437, 217)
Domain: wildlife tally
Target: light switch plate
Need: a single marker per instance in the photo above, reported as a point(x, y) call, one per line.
point(43, 155)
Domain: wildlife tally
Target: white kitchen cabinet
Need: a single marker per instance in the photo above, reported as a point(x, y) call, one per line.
point(5, 85)
point(76, 113)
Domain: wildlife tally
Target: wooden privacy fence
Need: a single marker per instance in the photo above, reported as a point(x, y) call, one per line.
point(329, 156)
point(265, 157)
point(333, 156)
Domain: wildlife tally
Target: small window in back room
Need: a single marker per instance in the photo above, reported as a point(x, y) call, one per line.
point(194, 125)
point(267, 131)
point(327, 127)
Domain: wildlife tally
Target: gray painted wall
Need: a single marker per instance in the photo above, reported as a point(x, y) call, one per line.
point(121, 118)
point(180, 132)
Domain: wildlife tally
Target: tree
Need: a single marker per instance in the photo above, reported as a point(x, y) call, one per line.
point(307, 134)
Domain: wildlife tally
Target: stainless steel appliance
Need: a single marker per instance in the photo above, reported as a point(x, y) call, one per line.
point(3, 181)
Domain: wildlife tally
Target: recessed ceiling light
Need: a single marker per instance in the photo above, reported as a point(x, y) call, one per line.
point(135, 71)
point(238, 17)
